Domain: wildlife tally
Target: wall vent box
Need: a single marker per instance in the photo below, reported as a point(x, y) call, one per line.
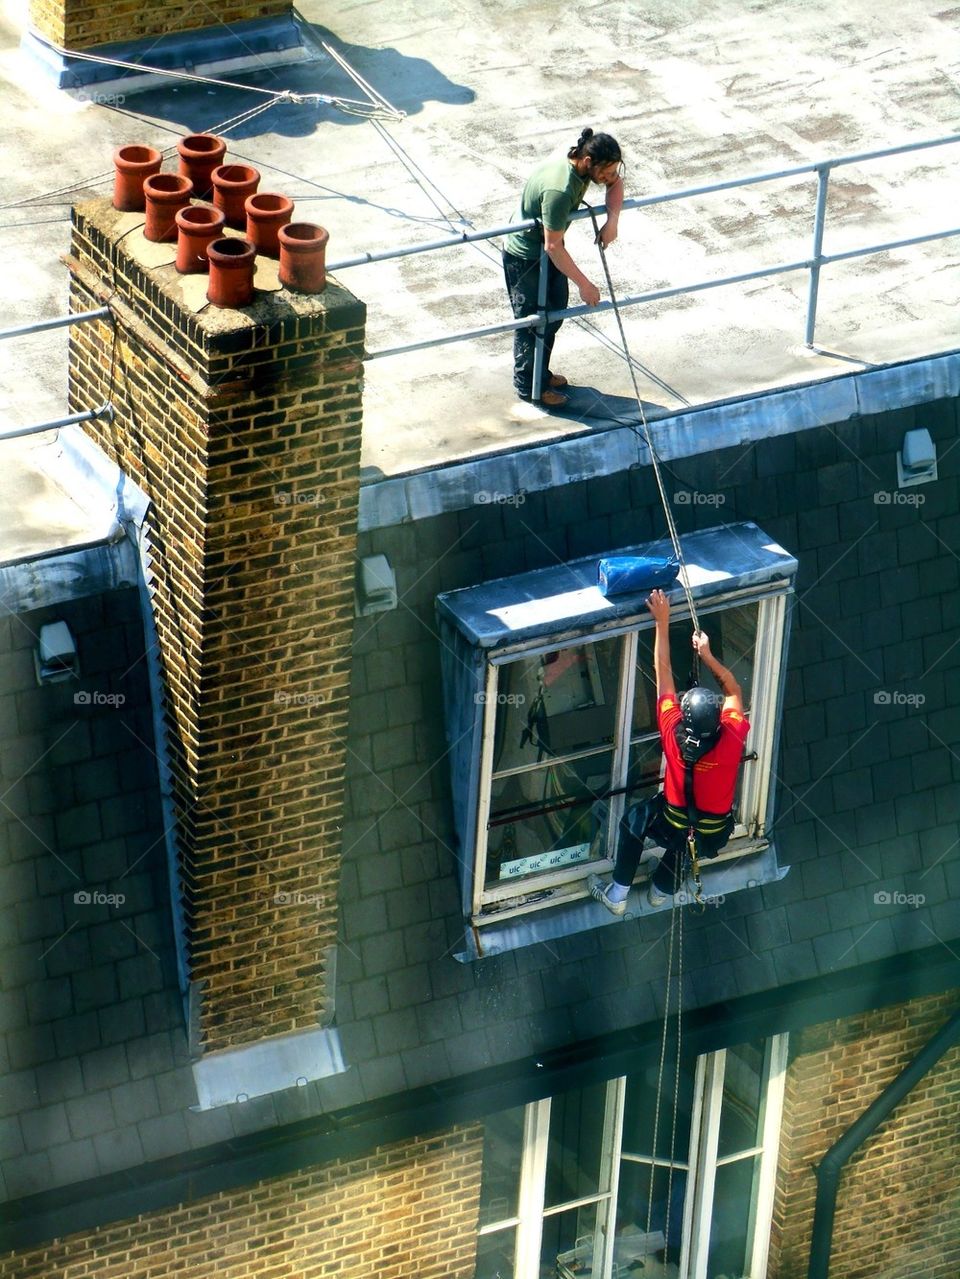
point(917, 459)
point(376, 586)
point(55, 657)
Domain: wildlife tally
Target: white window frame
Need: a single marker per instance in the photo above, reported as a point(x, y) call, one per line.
point(503, 900)
point(701, 1167)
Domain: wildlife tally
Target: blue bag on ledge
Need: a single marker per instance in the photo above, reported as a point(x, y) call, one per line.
point(621, 574)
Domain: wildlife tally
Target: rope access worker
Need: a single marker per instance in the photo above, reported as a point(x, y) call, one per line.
point(702, 735)
point(551, 195)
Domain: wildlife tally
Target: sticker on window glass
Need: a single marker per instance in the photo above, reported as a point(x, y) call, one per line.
point(551, 860)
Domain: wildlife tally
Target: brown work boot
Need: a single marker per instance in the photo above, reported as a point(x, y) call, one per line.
point(552, 400)
point(556, 381)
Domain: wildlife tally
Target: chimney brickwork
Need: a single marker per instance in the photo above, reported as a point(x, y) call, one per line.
point(243, 427)
point(81, 24)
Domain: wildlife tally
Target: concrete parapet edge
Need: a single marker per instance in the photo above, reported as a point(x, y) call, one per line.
point(437, 491)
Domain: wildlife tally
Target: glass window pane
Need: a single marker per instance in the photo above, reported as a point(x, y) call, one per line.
point(740, 1110)
point(643, 774)
point(640, 1109)
point(571, 1244)
point(569, 828)
point(645, 686)
point(557, 703)
point(733, 1196)
point(733, 639)
point(633, 1241)
point(502, 1150)
point(495, 1255)
point(576, 1144)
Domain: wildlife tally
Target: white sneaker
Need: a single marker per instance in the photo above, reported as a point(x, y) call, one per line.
point(654, 895)
point(598, 891)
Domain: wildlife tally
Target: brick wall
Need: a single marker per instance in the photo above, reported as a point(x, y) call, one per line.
point(405, 1209)
point(244, 429)
point(897, 1205)
point(80, 24)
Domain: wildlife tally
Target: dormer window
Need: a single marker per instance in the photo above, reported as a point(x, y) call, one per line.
point(551, 715)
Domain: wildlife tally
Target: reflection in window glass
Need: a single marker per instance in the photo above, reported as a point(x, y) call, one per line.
point(634, 1207)
point(740, 1112)
point(502, 1149)
point(733, 640)
point(547, 818)
point(576, 1138)
point(570, 1242)
point(558, 703)
point(733, 1200)
point(495, 1255)
point(640, 1107)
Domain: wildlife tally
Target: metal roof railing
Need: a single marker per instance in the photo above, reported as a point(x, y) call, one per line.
point(814, 264)
point(816, 261)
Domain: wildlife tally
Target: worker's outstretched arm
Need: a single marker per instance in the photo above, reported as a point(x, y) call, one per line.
point(561, 259)
point(608, 232)
point(732, 693)
point(659, 606)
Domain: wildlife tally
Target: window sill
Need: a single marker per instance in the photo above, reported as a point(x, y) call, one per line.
point(568, 909)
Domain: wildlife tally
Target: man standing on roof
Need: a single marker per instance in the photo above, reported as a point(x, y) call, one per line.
point(703, 731)
point(551, 195)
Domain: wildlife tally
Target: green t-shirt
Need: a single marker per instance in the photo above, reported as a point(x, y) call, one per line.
point(552, 193)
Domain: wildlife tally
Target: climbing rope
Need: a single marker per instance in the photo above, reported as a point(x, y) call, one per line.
point(675, 944)
point(645, 428)
point(674, 956)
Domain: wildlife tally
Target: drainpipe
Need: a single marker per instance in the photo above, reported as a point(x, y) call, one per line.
point(830, 1167)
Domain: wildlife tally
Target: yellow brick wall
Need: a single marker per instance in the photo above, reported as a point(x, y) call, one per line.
point(229, 425)
point(406, 1211)
point(897, 1208)
point(80, 24)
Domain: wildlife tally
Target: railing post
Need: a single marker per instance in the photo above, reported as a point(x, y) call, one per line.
point(541, 329)
point(819, 218)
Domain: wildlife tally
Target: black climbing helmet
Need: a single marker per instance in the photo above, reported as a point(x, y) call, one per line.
point(699, 727)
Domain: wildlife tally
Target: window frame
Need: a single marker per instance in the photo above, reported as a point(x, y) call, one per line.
point(493, 903)
point(701, 1166)
point(482, 627)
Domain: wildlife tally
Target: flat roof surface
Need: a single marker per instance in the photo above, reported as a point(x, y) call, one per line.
point(697, 93)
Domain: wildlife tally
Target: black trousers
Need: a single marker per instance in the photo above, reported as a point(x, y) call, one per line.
point(646, 820)
point(523, 281)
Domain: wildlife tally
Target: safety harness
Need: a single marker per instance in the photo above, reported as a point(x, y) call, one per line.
point(691, 820)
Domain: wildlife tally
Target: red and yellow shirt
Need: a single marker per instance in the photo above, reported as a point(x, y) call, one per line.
point(714, 774)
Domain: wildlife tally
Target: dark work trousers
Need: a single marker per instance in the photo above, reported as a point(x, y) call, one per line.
point(523, 279)
point(645, 819)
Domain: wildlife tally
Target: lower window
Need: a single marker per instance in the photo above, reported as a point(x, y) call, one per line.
point(580, 1184)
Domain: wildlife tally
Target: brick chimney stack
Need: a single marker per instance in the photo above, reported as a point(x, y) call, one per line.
point(243, 427)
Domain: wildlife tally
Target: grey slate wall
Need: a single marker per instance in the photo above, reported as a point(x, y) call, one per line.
point(89, 1008)
point(868, 803)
